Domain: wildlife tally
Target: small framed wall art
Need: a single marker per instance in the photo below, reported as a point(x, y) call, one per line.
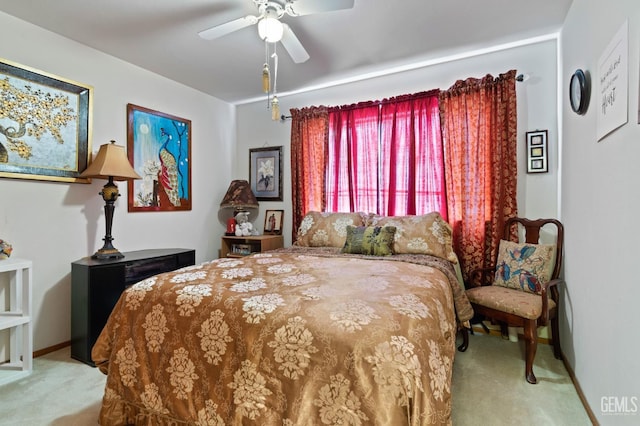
point(273, 222)
point(537, 160)
point(265, 173)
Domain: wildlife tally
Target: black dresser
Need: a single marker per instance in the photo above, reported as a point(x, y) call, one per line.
point(96, 286)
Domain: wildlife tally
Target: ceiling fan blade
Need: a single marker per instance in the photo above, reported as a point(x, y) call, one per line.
point(293, 46)
point(307, 7)
point(227, 28)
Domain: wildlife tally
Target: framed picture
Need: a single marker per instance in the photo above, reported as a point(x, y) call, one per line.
point(45, 125)
point(537, 161)
point(273, 222)
point(159, 149)
point(265, 173)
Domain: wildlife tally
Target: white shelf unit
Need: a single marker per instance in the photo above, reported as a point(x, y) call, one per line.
point(17, 319)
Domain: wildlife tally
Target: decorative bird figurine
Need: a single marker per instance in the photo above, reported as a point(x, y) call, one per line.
point(5, 249)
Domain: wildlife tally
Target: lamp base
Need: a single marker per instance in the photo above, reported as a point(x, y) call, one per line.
point(104, 254)
point(109, 195)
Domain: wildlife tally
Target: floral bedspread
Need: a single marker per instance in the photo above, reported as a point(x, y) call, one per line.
point(288, 337)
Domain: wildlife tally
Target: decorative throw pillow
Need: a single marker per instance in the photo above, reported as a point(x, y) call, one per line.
point(524, 266)
point(326, 229)
point(424, 234)
point(371, 240)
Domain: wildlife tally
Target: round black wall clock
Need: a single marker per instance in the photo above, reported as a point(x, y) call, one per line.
point(579, 92)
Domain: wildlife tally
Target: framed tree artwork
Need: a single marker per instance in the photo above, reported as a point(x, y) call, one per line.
point(265, 173)
point(45, 125)
point(159, 149)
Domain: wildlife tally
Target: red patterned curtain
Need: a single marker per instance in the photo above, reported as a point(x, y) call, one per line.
point(479, 128)
point(309, 139)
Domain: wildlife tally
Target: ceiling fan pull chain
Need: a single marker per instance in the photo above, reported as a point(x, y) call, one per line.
point(275, 106)
point(275, 66)
point(266, 80)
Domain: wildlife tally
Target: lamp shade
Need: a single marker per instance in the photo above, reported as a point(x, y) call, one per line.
point(239, 196)
point(110, 162)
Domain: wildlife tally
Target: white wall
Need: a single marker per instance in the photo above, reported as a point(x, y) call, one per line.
point(536, 110)
point(55, 223)
point(600, 197)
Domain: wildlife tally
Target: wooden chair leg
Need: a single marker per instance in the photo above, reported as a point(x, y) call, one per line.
point(555, 337)
point(504, 330)
point(530, 345)
point(465, 340)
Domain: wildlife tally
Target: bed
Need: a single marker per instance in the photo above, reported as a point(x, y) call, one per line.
point(323, 332)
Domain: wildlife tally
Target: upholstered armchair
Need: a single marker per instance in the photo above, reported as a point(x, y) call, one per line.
point(523, 287)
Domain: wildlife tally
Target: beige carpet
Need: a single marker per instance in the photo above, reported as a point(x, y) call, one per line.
point(488, 389)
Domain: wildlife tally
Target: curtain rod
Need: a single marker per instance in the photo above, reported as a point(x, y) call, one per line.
point(519, 78)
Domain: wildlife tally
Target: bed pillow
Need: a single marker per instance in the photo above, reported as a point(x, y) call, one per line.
point(423, 234)
point(524, 266)
point(371, 240)
point(326, 229)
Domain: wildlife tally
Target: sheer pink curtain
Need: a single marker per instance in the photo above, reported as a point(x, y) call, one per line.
point(352, 164)
point(412, 178)
point(386, 157)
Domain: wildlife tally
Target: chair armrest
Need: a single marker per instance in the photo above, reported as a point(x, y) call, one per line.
point(550, 286)
point(482, 273)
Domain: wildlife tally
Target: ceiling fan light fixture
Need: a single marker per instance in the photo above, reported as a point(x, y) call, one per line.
point(270, 29)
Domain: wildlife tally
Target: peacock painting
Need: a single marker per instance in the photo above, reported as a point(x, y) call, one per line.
point(161, 155)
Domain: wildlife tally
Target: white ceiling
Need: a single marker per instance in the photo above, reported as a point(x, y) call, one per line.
point(162, 36)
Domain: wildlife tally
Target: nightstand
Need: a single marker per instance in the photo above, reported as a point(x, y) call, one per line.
point(243, 246)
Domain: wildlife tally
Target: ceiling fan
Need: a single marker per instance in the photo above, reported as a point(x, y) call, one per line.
point(270, 12)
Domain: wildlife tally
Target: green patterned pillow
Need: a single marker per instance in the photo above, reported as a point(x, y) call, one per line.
point(371, 240)
point(523, 266)
point(423, 234)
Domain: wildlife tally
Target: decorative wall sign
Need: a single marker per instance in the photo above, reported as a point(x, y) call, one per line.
point(537, 161)
point(45, 125)
point(265, 173)
point(612, 84)
point(159, 148)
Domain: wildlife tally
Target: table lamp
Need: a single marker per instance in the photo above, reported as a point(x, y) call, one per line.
point(240, 197)
point(110, 163)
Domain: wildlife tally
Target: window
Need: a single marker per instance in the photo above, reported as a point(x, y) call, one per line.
point(386, 157)
point(390, 158)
